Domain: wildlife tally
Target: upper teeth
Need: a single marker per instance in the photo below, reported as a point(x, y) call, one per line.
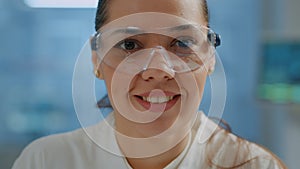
point(158, 99)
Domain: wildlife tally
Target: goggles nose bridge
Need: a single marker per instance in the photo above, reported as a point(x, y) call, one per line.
point(159, 51)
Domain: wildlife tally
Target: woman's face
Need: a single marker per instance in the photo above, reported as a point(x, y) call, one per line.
point(157, 90)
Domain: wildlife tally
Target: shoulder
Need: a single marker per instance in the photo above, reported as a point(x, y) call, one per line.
point(58, 141)
point(74, 149)
point(50, 148)
point(222, 148)
point(67, 150)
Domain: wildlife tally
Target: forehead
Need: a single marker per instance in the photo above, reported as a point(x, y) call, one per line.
point(187, 9)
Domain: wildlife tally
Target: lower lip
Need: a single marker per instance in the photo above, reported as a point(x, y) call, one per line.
point(156, 107)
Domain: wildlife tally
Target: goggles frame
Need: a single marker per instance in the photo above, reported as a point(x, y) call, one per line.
point(213, 38)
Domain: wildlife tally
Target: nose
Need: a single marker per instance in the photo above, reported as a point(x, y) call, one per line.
point(159, 66)
point(156, 74)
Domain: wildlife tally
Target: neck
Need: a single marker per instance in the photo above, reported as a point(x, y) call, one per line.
point(160, 161)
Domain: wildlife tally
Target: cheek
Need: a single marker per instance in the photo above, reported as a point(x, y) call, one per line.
point(107, 73)
point(200, 78)
point(195, 93)
point(118, 83)
point(192, 86)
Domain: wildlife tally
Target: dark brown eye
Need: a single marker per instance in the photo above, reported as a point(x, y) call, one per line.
point(129, 45)
point(184, 42)
point(183, 46)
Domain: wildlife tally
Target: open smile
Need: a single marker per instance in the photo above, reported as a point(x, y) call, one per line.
point(157, 101)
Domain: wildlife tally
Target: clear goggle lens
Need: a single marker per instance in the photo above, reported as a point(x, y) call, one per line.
point(183, 48)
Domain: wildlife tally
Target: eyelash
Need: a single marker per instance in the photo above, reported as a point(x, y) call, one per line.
point(122, 44)
point(188, 42)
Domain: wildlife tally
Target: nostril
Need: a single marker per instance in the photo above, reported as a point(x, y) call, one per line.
point(156, 74)
point(168, 77)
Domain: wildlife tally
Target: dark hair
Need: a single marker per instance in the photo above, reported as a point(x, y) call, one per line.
point(101, 14)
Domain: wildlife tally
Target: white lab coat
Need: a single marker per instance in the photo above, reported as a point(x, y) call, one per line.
point(75, 150)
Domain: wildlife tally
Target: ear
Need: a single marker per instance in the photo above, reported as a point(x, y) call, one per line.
point(96, 61)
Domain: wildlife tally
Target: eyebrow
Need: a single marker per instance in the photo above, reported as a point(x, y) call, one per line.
point(182, 27)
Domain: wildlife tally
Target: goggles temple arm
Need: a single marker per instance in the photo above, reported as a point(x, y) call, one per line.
point(214, 39)
point(94, 45)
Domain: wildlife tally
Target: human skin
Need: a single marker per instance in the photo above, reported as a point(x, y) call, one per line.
point(161, 78)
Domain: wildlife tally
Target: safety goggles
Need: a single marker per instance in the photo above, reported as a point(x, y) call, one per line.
point(184, 47)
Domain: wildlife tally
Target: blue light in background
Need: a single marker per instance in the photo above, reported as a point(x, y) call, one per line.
point(61, 3)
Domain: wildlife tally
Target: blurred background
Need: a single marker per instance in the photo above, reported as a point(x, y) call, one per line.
point(40, 41)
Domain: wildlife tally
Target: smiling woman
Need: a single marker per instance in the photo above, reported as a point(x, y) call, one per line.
point(154, 57)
